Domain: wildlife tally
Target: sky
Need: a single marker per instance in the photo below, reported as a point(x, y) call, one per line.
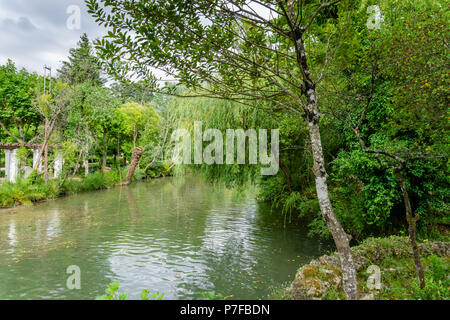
point(34, 33)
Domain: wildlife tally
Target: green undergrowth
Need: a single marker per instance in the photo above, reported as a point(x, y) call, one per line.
point(112, 293)
point(399, 282)
point(26, 191)
point(398, 273)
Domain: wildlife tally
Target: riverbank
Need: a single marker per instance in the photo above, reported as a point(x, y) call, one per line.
point(322, 278)
point(34, 190)
point(180, 236)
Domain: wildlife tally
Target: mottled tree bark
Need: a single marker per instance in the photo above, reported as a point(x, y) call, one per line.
point(340, 237)
point(412, 220)
point(135, 158)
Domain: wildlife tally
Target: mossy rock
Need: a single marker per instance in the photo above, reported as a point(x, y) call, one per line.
point(322, 278)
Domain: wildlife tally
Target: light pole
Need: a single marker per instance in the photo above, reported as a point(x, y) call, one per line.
point(49, 69)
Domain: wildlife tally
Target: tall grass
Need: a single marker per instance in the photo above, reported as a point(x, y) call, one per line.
point(33, 189)
point(94, 181)
point(26, 191)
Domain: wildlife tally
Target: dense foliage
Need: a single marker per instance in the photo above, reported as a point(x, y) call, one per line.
point(395, 75)
point(358, 89)
point(401, 97)
point(91, 125)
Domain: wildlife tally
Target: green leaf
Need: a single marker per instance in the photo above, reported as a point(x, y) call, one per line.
point(123, 296)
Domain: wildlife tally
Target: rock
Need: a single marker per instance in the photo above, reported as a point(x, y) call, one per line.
point(314, 280)
point(330, 260)
point(368, 297)
point(314, 263)
point(441, 249)
point(360, 261)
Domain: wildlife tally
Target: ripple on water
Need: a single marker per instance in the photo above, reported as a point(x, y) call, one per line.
point(180, 237)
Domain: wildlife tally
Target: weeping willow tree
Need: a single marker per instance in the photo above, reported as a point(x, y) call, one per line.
point(221, 115)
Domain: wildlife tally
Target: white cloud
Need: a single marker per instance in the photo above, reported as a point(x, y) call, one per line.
point(34, 33)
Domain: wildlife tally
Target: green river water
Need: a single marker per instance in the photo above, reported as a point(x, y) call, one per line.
point(180, 236)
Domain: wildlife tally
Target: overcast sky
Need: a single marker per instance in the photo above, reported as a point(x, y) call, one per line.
point(34, 33)
point(38, 32)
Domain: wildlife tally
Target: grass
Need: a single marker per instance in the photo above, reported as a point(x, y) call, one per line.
point(33, 189)
point(398, 274)
point(399, 282)
point(94, 181)
point(26, 191)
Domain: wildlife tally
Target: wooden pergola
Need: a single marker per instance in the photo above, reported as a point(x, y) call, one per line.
point(15, 145)
point(12, 163)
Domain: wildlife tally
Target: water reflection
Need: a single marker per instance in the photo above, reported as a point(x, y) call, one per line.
point(12, 235)
point(178, 236)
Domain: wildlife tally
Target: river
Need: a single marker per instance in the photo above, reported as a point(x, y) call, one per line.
point(180, 236)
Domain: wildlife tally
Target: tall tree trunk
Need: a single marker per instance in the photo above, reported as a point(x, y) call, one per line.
point(340, 237)
point(42, 148)
point(48, 131)
point(46, 163)
point(136, 157)
point(77, 165)
point(412, 220)
point(75, 170)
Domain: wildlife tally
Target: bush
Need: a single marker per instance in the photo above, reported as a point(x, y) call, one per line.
point(112, 293)
point(34, 189)
point(26, 191)
point(437, 280)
